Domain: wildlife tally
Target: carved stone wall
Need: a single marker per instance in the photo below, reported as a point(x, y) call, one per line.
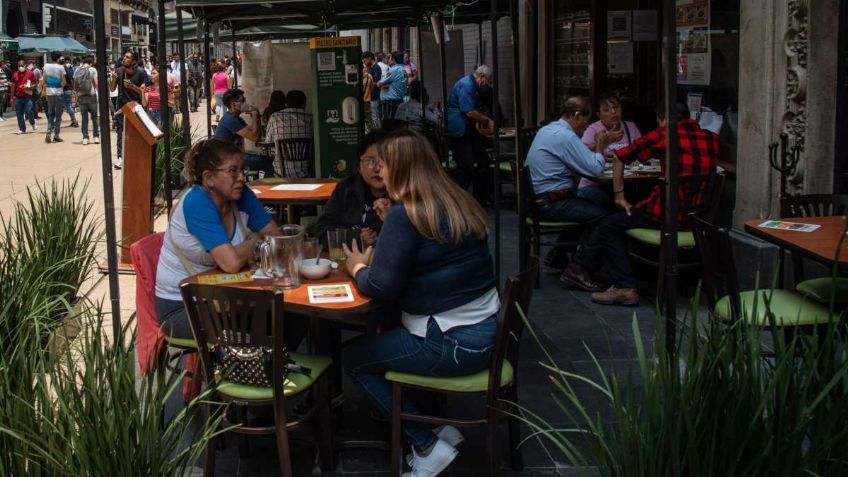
point(787, 84)
point(794, 120)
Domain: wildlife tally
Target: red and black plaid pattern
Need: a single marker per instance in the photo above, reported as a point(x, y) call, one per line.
point(698, 151)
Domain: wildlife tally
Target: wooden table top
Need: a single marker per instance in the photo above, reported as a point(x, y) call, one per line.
point(297, 299)
point(505, 133)
point(820, 244)
point(263, 188)
point(635, 175)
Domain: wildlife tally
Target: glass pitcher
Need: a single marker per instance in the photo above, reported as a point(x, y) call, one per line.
point(280, 255)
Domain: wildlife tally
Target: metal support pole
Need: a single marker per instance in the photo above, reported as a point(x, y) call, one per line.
point(235, 57)
point(519, 124)
point(669, 237)
point(421, 77)
point(443, 67)
point(207, 79)
point(184, 106)
point(163, 105)
point(106, 168)
point(496, 150)
point(533, 33)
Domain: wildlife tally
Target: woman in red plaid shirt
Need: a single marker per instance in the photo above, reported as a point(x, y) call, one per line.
point(698, 151)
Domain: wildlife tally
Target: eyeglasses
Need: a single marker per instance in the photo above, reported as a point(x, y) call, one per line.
point(611, 108)
point(370, 163)
point(234, 172)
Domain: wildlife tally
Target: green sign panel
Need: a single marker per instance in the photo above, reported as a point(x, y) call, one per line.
point(336, 104)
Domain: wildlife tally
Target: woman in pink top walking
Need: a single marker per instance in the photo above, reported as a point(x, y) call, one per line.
point(221, 82)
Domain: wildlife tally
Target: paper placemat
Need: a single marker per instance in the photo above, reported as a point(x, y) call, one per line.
point(793, 226)
point(297, 187)
point(224, 278)
point(330, 293)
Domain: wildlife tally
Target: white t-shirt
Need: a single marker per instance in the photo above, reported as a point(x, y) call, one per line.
point(53, 75)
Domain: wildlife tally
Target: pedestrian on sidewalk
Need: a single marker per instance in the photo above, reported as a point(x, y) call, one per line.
point(4, 90)
point(85, 90)
point(23, 84)
point(54, 82)
point(129, 80)
point(68, 90)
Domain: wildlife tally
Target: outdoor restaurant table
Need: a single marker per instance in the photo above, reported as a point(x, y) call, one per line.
point(630, 175)
point(296, 300)
point(264, 190)
point(819, 245)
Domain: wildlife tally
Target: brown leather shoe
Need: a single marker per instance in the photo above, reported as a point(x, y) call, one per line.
point(617, 296)
point(576, 276)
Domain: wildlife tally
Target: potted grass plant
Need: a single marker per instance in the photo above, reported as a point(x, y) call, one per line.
point(179, 148)
point(720, 407)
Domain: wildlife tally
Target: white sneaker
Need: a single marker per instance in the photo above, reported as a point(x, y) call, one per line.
point(2, 119)
point(85, 141)
point(447, 433)
point(433, 463)
point(19, 132)
point(96, 139)
point(35, 124)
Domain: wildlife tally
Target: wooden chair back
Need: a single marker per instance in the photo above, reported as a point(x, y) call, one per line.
point(295, 157)
point(230, 316)
point(517, 292)
point(525, 139)
point(717, 264)
point(698, 196)
point(814, 205)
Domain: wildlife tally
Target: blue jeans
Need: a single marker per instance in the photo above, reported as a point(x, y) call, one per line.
point(256, 162)
point(581, 209)
point(156, 116)
point(88, 107)
point(23, 110)
point(69, 106)
point(460, 351)
point(55, 107)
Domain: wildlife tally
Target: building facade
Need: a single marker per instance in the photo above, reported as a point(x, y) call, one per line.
point(21, 16)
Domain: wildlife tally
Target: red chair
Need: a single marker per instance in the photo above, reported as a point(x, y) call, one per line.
point(152, 345)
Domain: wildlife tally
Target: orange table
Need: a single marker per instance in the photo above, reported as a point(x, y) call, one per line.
point(264, 189)
point(296, 300)
point(820, 244)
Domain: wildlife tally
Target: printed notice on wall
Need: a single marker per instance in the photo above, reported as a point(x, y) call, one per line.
point(618, 25)
point(693, 42)
point(644, 25)
point(620, 58)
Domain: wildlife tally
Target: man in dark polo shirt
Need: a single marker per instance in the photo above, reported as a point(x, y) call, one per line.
point(232, 128)
point(129, 80)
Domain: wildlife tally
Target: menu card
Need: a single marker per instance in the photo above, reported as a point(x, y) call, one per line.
point(331, 293)
point(224, 278)
point(793, 226)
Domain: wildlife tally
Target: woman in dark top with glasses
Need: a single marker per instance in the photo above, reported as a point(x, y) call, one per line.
point(357, 199)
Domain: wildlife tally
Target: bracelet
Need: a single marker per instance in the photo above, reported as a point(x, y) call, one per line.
point(619, 191)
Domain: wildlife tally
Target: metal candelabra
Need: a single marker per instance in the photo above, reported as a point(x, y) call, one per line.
point(788, 158)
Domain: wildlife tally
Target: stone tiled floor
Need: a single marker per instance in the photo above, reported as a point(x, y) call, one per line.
point(565, 321)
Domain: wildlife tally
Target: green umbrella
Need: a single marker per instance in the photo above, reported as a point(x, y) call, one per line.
point(7, 43)
point(39, 44)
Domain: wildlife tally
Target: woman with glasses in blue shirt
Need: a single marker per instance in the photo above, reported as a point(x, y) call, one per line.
point(216, 224)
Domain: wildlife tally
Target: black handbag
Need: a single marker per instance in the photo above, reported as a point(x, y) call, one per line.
point(253, 366)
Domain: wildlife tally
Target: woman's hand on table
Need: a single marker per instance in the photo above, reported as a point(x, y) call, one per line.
point(382, 205)
point(356, 260)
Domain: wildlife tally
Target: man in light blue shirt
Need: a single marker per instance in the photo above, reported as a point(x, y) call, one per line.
point(556, 161)
point(392, 86)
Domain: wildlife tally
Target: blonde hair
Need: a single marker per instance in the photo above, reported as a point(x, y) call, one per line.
point(432, 200)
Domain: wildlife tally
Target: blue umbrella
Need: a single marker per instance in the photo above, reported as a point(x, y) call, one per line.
point(39, 44)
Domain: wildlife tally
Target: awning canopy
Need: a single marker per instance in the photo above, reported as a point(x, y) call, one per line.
point(39, 44)
point(313, 17)
point(7, 43)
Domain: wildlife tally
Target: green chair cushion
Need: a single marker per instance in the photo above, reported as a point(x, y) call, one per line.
point(789, 309)
point(653, 237)
point(181, 342)
point(819, 289)
point(295, 382)
point(472, 383)
point(545, 223)
point(505, 166)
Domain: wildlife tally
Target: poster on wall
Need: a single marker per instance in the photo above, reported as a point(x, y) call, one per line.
point(693, 42)
point(336, 103)
point(618, 25)
point(620, 58)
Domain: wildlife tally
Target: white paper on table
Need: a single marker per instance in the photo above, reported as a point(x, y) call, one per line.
point(300, 187)
point(330, 293)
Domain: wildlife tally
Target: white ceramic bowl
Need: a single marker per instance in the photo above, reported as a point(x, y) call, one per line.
point(312, 271)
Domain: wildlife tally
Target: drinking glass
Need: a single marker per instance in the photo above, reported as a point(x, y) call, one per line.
point(335, 239)
point(310, 248)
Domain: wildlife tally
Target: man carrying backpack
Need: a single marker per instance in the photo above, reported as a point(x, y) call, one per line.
point(67, 90)
point(85, 90)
